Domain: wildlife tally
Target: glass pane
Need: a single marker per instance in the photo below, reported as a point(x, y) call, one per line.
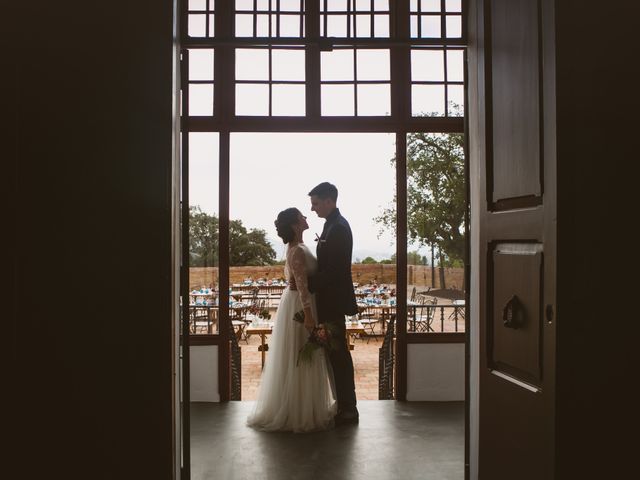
point(431, 5)
point(381, 26)
point(414, 26)
point(288, 64)
point(435, 233)
point(455, 65)
point(363, 26)
point(363, 5)
point(374, 100)
point(244, 25)
point(454, 26)
point(212, 25)
point(455, 108)
point(290, 26)
point(203, 232)
point(334, 5)
point(252, 99)
point(200, 64)
point(427, 65)
point(289, 5)
point(337, 100)
point(262, 28)
point(336, 65)
point(454, 5)
point(373, 64)
point(288, 100)
point(252, 64)
point(381, 5)
point(201, 100)
point(197, 25)
point(263, 5)
point(427, 100)
point(244, 4)
point(431, 27)
point(197, 5)
point(336, 26)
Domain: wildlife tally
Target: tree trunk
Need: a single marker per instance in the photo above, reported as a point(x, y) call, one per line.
point(441, 271)
point(433, 268)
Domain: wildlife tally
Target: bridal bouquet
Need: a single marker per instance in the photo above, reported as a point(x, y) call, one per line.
point(320, 337)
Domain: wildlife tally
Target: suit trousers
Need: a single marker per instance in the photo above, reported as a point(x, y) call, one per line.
point(342, 364)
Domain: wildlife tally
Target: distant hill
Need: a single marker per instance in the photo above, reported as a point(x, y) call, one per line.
point(280, 249)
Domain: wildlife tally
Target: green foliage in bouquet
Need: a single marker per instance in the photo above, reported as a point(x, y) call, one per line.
point(320, 337)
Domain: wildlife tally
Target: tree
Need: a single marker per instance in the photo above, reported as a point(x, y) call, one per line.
point(248, 247)
point(414, 258)
point(389, 261)
point(435, 193)
point(203, 238)
point(369, 261)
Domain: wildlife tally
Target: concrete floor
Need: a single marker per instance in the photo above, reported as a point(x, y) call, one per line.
point(394, 440)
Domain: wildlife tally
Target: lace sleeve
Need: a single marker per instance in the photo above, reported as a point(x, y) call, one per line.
point(298, 266)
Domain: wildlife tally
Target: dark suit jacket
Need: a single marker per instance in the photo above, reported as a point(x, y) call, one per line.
point(332, 283)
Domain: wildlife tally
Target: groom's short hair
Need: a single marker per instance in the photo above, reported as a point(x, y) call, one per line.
point(325, 190)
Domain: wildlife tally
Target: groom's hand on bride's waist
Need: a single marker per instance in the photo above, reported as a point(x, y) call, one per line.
point(292, 284)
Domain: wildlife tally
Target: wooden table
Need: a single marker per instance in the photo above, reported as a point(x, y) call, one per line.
point(353, 328)
point(263, 331)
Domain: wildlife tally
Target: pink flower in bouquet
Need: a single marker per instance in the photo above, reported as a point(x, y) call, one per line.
point(319, 337)
point(322, 334)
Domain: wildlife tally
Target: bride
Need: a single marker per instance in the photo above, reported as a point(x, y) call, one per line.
point(294, 396)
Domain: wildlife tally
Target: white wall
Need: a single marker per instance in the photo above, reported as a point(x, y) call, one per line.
point(204, 373)
point(435, 372)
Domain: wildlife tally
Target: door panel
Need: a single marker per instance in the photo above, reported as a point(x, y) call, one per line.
point(514, 73)
point(514, 319)
point(512, 56)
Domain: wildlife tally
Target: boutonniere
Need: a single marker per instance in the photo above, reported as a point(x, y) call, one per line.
point(318, 239)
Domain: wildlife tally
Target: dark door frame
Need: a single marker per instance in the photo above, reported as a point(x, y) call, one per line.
point(401, 122)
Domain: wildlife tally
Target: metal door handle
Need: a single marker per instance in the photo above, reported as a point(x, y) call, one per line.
point(513, 313)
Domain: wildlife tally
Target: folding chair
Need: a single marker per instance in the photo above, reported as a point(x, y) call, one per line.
point(425, 313)
point(368, 318)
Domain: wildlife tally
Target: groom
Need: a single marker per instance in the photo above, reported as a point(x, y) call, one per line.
point(333, 286)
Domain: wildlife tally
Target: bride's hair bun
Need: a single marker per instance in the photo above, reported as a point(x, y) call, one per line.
point(284, 223)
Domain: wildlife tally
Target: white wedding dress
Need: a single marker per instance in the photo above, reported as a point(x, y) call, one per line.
point(298, 398)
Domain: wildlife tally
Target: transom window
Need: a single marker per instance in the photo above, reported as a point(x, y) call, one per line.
point(315, 59)
point(355, 82)
point(201, 18)
point(270, 81)
point(269, 18)
point(354, 18)
point(436, 18)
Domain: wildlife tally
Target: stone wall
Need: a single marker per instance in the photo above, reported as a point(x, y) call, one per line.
point(418, 275)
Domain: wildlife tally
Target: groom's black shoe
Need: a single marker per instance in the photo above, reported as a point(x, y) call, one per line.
point(347, 417)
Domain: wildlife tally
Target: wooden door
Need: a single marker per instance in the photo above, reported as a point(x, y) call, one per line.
point(512, 97)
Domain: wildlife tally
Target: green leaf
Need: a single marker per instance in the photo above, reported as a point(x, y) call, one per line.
point(299, 316)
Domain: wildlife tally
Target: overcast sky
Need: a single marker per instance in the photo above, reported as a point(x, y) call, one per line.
point(274, 171)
